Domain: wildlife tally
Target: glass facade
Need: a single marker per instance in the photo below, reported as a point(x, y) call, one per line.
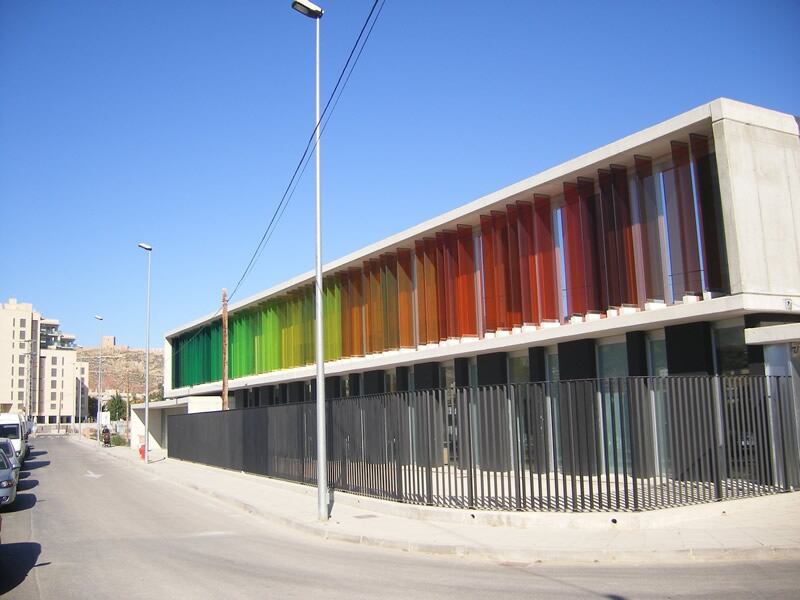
point(637, 233)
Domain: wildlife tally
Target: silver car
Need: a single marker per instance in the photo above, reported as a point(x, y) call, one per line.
point(7, 448)
point(8, 485)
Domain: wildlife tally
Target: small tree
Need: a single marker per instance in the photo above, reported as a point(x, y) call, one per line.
point(116, 408)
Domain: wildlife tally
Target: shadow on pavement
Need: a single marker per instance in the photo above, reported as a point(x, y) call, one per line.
point(37, 464)
point(24, 474)
point(34, 454)
point(27, 484)
point(16, 561)
point(23, 502)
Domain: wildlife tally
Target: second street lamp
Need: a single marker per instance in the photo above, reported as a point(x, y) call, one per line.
point(149, 249)
point(99, 380)
point(313, 11)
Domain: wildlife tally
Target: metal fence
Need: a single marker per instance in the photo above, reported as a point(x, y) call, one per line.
point(635, 443)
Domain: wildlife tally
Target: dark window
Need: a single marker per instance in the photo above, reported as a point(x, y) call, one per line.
point(9, 430)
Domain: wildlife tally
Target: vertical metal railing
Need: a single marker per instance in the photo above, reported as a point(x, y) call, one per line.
point(627, 444)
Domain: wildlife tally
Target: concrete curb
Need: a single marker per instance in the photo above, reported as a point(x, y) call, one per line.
point(515, 555)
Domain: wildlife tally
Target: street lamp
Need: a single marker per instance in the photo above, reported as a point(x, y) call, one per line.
point(80, 397)
point(313, 11)
point(149, 249)
point(99, 380)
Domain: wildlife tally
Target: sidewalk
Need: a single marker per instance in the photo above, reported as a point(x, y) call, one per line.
point(751, 529)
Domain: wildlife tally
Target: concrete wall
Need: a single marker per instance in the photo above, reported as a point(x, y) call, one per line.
point(204, 403)
point(160, 412)
point(758, 156)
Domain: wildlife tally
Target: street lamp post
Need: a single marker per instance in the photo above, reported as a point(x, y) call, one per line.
point(313, 11)
point(99, 381)
point(149, 249)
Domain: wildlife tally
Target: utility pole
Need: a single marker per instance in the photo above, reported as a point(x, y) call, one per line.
point(224, 349)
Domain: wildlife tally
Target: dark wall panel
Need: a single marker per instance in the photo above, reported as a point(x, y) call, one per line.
point(401, 374)
point(426, 376)
point(576, 360)
point(374, 382)
point(689, 348)
point(354, 384)
point(536, 364)
point(636, 346)
point(492, 369)
point(461, 370)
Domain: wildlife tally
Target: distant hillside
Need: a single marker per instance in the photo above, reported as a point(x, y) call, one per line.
point(123, 368)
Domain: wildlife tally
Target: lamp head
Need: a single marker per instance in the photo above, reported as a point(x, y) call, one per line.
point(307, 8)
point(98, 317)
point(147, 247)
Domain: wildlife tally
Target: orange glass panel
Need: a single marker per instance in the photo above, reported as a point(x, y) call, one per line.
point(422, 318)
point(369, 310)
point(357, 311)
point(527, 264)
point(346, 311)
point(405, 291)
point(466, 308)
point(431, 293)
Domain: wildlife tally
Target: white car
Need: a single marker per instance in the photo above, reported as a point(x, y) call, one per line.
point(8, 485)
point(7, 448)
point(13, 427)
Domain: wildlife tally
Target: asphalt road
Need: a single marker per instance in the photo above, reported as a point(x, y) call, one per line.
point(88, 525)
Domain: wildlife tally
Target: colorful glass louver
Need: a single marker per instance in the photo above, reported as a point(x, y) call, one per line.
point(648, 231)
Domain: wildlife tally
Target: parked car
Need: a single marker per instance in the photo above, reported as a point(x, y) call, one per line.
point(8, 485)
point(13, 427)
point(8, 449)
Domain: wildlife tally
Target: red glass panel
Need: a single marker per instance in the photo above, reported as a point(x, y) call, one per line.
point(489, 294)
point(545, 253)
point(607, 237)
point(647, 201)
point(682, 224)
point(527, 264)
point(501, 274)
point(514, 292)
point(623, 224)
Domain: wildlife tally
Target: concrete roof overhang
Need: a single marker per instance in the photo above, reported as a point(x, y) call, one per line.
point(162, 404)
point(653, 141)
point(725, 307)
point(772, 334)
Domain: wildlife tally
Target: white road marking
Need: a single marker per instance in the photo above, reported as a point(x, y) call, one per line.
point(92, 475)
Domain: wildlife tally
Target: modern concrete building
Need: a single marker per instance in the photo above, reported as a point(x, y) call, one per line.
point(675, 250)
point(47, 382)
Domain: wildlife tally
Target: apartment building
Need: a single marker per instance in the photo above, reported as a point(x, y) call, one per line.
point(47, 382)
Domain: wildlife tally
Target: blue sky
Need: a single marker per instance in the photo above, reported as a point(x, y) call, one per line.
point(179, 123)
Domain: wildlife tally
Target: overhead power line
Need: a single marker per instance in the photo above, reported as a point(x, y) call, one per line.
point(330, 106)
point(341, 82)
